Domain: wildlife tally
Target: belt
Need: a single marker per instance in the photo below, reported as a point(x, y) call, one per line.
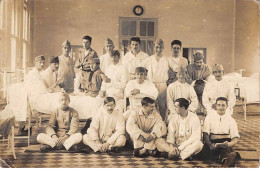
point(218, 136)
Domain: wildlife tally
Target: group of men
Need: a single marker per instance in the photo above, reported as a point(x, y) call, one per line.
point(163, 95)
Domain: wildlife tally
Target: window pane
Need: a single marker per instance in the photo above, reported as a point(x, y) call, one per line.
point(125, 44)
point(13, 53)
point(150, 47)
point(1, 14)
point(128, 28)
point(24, 55)
point(143, 25)
point(143, 45)
point(150, 28)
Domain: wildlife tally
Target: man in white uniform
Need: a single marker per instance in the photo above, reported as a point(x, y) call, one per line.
point(220, 134)
point(158, 67)
point(184, 133)
point(218, 87)
point(176, 60)
point(134, 58)
point(139, 88)
point(116, 73)
point(107, 129)
point(181, 89)
point(106, 59)
point(50, 75)
point(145, 126)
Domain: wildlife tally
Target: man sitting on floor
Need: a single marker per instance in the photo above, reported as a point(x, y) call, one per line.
point(62, 131)
point(107, 129)
point(220, 134)
point(145, 126)
point(184, 133)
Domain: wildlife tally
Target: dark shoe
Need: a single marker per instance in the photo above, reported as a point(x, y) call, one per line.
point(115, 149)
point(45, 148)
point(154, 153)
point(136, 153)
point(189, 158)
point(74, 147)
point(164, 155)
point(230, 160)
point(86, 149)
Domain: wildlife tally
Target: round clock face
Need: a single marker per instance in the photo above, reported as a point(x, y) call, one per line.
point(138, 10)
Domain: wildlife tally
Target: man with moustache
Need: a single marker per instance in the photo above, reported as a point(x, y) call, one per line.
point(107, 129)
point(218, 87)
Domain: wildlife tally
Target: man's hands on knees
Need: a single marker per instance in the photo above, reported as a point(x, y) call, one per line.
point(147, 137)
point(104, 147)
point(61, 140)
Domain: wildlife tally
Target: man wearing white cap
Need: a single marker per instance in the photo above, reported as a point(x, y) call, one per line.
point(218, 87)
point(158, 67)
point(106, 59)
point(134, 58)
point(198, 70)
point(66, 72)
point(181, 89)
point(50, 75)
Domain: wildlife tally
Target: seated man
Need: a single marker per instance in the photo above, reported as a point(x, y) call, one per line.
point(145, 126)
point(50, 75)
point(90, 82)
point(139, 88)
point(116, 72)
point(198, 70)
point(106, 59)
point(107, 129)
point(220, 134)
point(218, 87)
point(181, 89)
point(62, 131)
point(184, 133)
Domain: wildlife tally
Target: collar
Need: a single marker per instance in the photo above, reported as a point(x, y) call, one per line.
point(149, 116)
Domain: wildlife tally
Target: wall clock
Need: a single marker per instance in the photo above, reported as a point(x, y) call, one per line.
point(138, 10)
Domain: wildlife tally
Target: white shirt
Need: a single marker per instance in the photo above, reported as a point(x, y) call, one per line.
point(107, 127)
point(178, 90)
point(49, 77)
point(105, 62)
point(177, 62)
point(214, 89)
point(118, 80)
point(216, 124)
point(147, 89)
point(157, 70)
point(131, 62)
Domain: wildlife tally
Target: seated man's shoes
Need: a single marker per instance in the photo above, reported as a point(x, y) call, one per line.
point(74, 147)
point(115, 149)
point(154, 153)
point(45, 148)
point(140, 152)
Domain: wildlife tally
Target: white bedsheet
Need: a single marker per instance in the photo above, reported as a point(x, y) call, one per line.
point(46, 103)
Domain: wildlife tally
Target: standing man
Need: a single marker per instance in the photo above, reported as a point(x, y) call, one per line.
point(88, 52)
point(220, 134)
point(198, 70)
point(107, 129)
point(145, 126)
point(134, 58)
point(181, 89)
point(184, 133)
point(176, 60)
point(66, 72)
point(106, 59)
point(158, 67)
point(218, 87)
point(50, 75)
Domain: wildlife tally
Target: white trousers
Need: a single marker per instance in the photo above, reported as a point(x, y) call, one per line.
point(162, 87)
point(140, 144)
point(47, 139)
point(189, 150)
point(120, 142)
